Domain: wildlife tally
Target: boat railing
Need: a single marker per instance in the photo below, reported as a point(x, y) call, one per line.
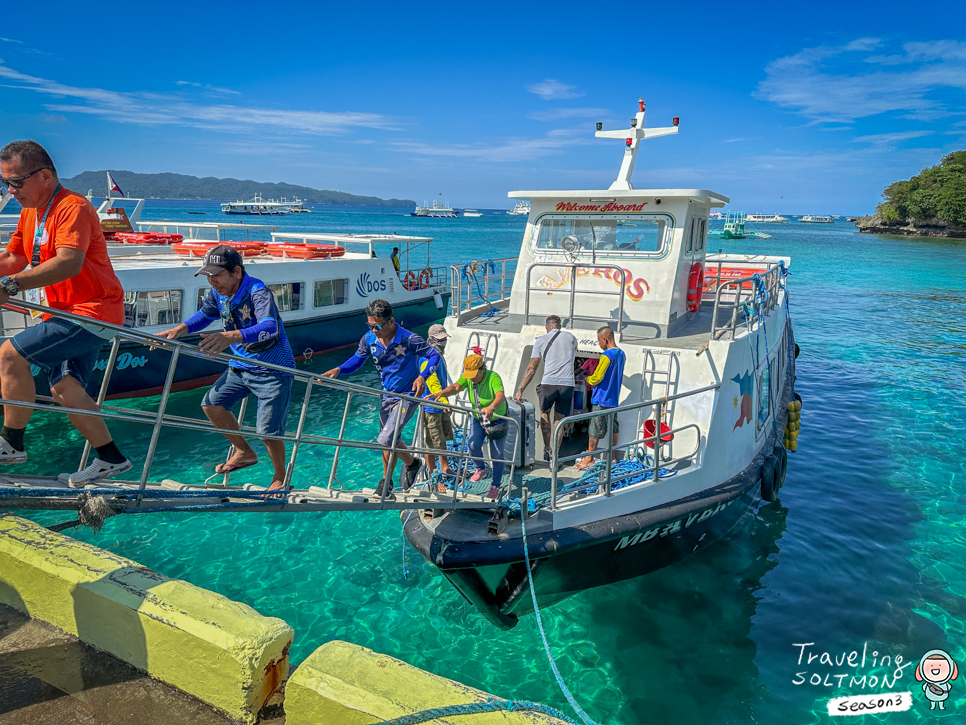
point(332, 496)
point(568, 273)
point(208, 231)
point(654, 463)
point(473, 284)
point(739, 296)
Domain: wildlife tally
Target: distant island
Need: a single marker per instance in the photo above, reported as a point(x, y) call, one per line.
point(181, 186)
point(930, 204)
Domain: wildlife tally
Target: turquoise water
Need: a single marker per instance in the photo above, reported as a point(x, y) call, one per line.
point(865, 548)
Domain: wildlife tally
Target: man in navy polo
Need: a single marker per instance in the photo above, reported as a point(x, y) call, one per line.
point(253, 330)
point(396, 353)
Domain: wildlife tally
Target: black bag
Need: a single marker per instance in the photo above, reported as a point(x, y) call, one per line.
point(547, 350)
point(495, 430)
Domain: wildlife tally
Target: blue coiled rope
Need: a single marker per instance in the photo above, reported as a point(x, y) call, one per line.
point(468, 273)
point(477, 708)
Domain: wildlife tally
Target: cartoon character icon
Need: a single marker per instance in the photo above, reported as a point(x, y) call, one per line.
point(935, 670)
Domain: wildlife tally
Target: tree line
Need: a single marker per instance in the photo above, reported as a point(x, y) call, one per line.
point(938, 192)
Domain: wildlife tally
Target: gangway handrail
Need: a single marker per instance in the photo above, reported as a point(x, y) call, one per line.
point(457, 283)
point(608, 453)
point(160, 418)
point(770, 279)
point(574, 292)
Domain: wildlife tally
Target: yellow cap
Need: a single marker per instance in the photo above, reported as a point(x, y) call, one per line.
point(472, 365)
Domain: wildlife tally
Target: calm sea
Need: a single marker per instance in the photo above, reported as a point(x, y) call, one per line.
point(865, 552)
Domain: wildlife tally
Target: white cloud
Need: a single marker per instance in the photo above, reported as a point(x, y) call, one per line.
point(208, 87)
point(554, 90)
point(881, 138)
point(561, 113)
point(157, 109)
point(507, 149)
point(11, 40)
point(835, 84)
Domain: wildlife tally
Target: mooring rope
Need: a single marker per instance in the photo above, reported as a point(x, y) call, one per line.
point(478, 708)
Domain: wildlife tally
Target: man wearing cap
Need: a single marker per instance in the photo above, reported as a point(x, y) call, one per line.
point(254, 331)
point(437, 422)
point(58, 257)
point(396, 353)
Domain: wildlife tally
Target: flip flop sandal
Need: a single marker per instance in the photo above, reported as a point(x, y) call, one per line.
point(223, 468)
point(583, 467)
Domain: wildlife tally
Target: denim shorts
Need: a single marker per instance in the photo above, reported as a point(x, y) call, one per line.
point(273, 392)
point(60, 348)
point(389, 418)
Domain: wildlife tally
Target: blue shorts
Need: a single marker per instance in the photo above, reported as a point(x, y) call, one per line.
point(273, 392)
point(389, 418)
point(60, 348)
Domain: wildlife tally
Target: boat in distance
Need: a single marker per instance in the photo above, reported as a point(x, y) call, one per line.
point(436, 211)
point(706, 405)
point(816, 219)
point(775, 218)
point(521, 209)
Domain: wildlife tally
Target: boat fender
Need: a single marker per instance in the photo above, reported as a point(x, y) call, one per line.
point(409, 281)
point(695, 286)
point(798, 350)
point(769, 479)
point(424, 278)
point(781, 456)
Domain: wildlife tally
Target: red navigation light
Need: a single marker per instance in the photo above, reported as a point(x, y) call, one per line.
point(675, 120)
point(630, 141)
point(640, 104)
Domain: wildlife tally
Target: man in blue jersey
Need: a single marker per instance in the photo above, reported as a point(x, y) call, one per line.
point(396, 353)
point(607, 380)
point(252, 330)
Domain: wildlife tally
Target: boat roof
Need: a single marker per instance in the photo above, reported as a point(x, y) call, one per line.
point(345, 237)
point(206, 225)
point(710, 197)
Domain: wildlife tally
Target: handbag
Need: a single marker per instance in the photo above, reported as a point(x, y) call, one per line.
point(494, 430)
point(546, 352)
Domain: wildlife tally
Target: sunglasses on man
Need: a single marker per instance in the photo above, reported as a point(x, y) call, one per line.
point(17, 181)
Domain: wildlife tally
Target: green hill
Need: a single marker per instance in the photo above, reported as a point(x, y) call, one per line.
point(181, 186)
point(938, 192)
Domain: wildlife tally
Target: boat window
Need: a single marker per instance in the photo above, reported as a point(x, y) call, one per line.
point(702, 228)
point(331, 292)
point(612, 236)
point(288, 296)
point(143, 309)
point(691, 236)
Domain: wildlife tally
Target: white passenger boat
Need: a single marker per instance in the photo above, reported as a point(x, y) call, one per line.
point(775, 218)
point(321, 282)
point(437, 211)
point(712, 383)
point(471, 213)
point(814, 219)
point(257, 207)
point(521, 209)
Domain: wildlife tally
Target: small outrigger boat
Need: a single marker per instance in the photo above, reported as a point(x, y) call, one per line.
point(734, 228)
point(707, 389)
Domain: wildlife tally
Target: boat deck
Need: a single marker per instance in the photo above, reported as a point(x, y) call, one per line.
point(691, 336)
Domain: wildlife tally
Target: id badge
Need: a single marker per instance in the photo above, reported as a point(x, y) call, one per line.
point(37, 297)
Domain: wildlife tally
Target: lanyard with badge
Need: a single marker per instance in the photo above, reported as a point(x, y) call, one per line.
point(38, 296)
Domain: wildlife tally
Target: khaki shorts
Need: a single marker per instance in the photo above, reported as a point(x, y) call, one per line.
point(438, 428)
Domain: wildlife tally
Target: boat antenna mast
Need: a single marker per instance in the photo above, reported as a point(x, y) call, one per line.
point(633, 136)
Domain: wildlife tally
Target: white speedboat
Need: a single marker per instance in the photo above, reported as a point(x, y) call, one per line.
point(471, 213)
point(521, 209)
point(258, 207)
point(813, 219)
point(437, 211)
point(704, 400)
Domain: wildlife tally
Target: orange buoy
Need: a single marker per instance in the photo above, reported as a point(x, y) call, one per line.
point(695, 286)
point(198, 248)
point(147, 238)
point(424, 278)
point(305, 251)
point(409, 281)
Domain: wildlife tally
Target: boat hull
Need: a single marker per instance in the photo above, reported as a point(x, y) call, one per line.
point(140, 372)
point(491, 573)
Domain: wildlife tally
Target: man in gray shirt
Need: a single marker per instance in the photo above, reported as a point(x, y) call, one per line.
point(556, 390)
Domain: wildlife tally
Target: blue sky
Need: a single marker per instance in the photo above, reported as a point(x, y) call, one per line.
point(802, 108)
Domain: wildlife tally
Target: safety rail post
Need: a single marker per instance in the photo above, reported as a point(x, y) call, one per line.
point(609, 454)
point(231, 449)
point(102, 394)
point(290, 469)
point(463, 467)
point(503, 280)
point(658, 417)
point(338, 448)
point(555, 430)
point(156, 431)
point(387, 475)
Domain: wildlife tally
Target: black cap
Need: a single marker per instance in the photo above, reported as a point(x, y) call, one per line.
point(220, 258)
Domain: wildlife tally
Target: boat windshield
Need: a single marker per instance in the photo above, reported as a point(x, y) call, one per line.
point(612, 235)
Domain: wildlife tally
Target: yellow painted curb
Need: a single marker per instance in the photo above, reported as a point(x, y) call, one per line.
point(344, 684)
point(219, 651)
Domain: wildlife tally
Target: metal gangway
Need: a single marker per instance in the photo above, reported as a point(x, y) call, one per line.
point(151, 493)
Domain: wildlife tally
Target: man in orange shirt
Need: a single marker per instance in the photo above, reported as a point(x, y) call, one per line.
point(58, 257)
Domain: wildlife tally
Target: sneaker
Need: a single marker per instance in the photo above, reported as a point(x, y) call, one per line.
point(478, 475)
point(410, 473)
point(389, 495)
point(546, 456)
point(9, 454)
point(494, 493)
point(97, 471)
